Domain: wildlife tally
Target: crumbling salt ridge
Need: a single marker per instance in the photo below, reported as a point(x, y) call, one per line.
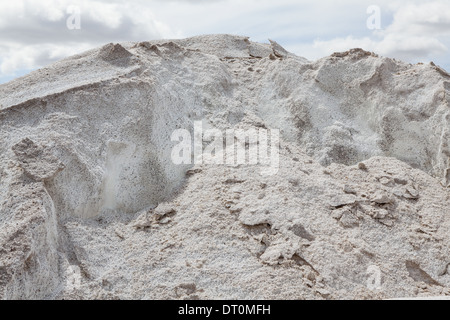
point(91, 205)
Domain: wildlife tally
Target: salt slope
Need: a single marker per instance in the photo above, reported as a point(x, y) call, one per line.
point(90, 136)
point(306, 233)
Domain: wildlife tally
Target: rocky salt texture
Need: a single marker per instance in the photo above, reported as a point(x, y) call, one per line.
point(92, 206)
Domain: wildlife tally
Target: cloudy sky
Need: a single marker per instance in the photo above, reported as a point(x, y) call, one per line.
point(35, 33)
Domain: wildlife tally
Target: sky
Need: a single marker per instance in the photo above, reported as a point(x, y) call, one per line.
point(36, 33)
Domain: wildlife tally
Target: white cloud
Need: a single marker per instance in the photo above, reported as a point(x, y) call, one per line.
point(28, 57)
point(418, 32)
point(34, 33)
point(431, 18)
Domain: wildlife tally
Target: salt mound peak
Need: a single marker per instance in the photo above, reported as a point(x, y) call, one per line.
point(111, 52)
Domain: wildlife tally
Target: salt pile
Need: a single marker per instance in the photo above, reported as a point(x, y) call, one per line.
point(92, 204)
